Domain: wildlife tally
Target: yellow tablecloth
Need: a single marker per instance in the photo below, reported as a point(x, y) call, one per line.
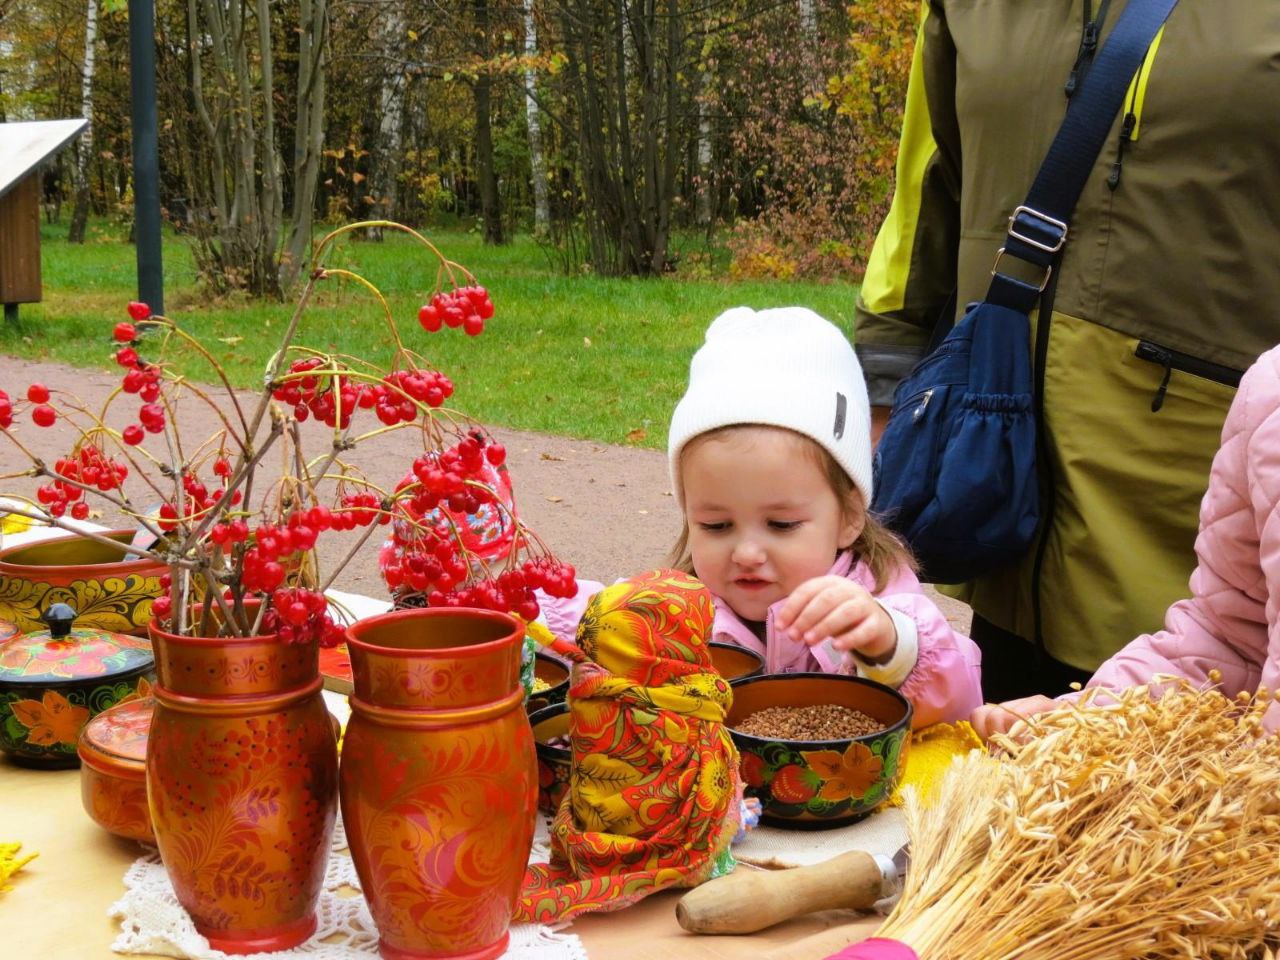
point(57, 909)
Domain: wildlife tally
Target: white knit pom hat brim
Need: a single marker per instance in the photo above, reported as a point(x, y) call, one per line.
point(784, 367)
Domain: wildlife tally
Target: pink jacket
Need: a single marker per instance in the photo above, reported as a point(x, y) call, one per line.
point(1231, 621)
point(934, 667)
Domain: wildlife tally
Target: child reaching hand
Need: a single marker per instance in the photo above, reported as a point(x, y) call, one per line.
point(770, 452)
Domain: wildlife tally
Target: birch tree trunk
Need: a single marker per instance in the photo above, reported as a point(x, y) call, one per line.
point(385, 175)
point(537, 164)
point(808, 21)
point(84, 149)
point(702, 209)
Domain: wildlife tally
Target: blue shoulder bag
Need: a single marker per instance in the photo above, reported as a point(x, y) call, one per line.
point(955, 471)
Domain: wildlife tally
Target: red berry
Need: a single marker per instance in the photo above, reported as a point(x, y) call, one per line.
point(38, 393)
point(429, 317)
point(132, 435)
point(496, 454)
point(127, 357)
point(139, 311)
point(125, 332)
point(473, 325)
point(43, 415)
point(80, 511)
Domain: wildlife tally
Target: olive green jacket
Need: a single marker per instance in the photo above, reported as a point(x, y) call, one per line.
point(1175, 260)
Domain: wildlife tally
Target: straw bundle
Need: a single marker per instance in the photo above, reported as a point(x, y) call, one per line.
point(1138, 829)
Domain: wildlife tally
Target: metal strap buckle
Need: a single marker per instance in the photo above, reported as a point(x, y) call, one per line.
point(1043, 218)
point(1044, 281)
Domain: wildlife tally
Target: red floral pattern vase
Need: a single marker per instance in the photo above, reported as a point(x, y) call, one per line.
point(439, 780)
point(242, 771)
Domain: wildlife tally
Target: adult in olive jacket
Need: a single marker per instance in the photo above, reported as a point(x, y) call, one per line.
point(1169, 288)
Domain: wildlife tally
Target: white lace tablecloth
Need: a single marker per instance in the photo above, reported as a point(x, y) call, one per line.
point(152, 921)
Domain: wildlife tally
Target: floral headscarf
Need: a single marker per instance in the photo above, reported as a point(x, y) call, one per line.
point(653, 796)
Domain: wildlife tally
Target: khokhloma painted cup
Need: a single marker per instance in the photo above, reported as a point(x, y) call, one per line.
point(439, 779)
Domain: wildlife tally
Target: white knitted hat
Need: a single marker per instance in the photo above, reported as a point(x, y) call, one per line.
point(785, 367)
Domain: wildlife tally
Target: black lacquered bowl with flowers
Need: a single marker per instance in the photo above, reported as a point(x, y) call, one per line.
point(820, 783)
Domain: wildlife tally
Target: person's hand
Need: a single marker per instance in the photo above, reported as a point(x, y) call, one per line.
point(836, 608)
point(992, 718)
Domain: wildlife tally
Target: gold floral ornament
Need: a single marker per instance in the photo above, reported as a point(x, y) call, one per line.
point(240, 509)
point(844, 775)
point(51, 720)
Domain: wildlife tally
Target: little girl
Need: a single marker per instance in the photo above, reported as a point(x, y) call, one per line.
point(770, 455)
point(1231, 622)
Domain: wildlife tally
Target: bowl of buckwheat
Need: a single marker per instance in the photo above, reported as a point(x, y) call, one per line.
point(818, 749)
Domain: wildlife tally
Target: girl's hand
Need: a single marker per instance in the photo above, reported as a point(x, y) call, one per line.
point(992, 718)
point(836, 608)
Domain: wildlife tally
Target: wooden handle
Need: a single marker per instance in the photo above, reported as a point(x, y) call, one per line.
point(749, 900)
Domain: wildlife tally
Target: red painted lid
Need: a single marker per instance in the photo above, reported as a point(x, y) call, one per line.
point(38, 658)
point(117, 737)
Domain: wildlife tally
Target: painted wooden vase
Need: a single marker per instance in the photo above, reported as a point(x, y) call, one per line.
point(242, 772)
point(107, 591)
point(439, 781)
point(53, 681)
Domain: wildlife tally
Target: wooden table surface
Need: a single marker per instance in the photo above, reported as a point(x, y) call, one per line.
point(57, 909)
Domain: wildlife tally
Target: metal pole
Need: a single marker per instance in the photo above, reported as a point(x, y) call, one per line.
point(146, 152)
point(11, 313)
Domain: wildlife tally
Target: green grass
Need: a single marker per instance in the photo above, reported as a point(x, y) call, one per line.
point(597, 358)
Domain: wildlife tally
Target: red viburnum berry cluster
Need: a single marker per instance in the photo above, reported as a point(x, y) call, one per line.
point(42, 414)
point(300, 616)
point(391, 400)
point(425, 557)
point(90, 467)
point(140, 378)
point(442, 476)
point(199, 499)
point(466, 307)
point(511, 591)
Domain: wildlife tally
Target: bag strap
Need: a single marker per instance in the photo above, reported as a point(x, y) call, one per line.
point(1038, 227)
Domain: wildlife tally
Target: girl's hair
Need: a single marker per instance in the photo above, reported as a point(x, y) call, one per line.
point(883, 552)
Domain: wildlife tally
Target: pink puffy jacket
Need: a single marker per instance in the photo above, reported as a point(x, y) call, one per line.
point(1231, 622)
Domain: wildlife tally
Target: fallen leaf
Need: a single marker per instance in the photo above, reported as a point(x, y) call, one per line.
point(554, 499)
point(586, 341)
point(636, 435)
point(551, 456)
point(231, 341)
point(644, 512)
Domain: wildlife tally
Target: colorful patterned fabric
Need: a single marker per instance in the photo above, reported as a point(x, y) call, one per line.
point(653, 796)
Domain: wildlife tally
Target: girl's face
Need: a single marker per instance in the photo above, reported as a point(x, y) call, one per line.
point(762, 516)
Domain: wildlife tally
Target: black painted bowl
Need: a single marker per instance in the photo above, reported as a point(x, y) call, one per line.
point(554, 762)
point(808, 784)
